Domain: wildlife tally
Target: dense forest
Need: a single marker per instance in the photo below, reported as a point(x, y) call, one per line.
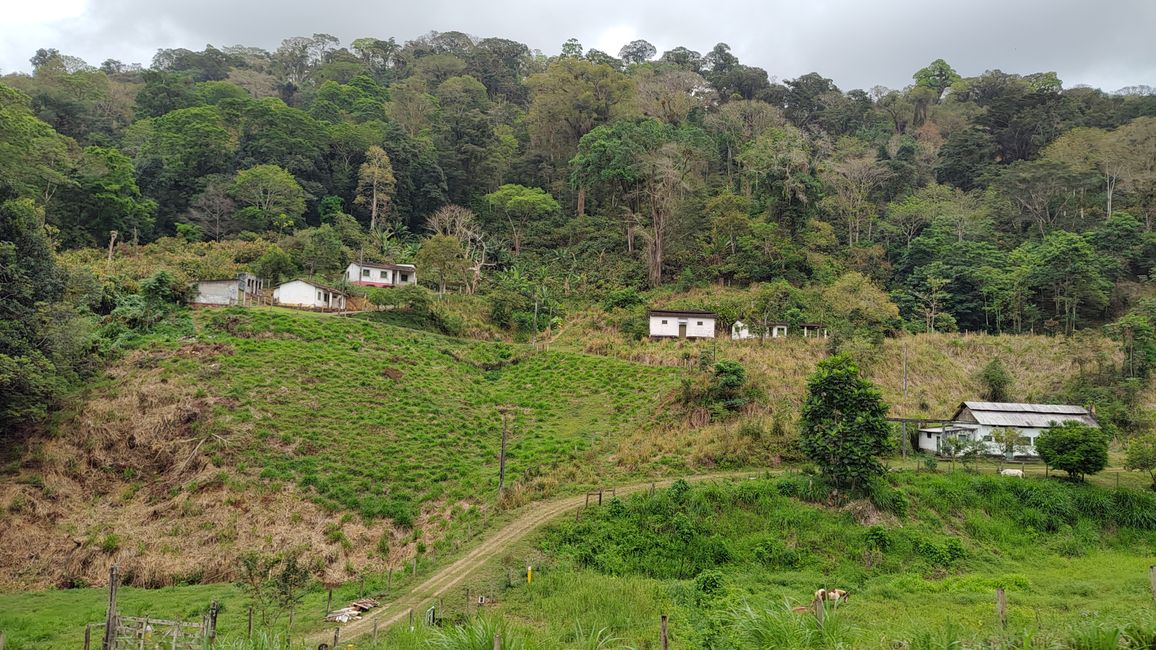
point(1001, 203)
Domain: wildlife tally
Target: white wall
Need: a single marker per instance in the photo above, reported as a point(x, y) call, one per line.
point(740, 331)
point(693, 329)
point(302, 294)
point(216, 292)
point(353, 273)
point(993, 449)
point(664, 326)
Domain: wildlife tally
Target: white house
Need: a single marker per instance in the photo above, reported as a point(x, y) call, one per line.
point(373, 274)
point(242, 290)
point(310, 295)
point(688, 324)
point(774, 330)
point(977, 420)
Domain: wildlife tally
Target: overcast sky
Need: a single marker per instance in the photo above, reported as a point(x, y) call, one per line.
point(858, 43)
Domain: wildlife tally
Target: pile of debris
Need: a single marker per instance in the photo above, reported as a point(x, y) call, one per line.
point(352, 612)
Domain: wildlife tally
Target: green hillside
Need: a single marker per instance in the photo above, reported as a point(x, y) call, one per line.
point(273, 429)
point(921, 559)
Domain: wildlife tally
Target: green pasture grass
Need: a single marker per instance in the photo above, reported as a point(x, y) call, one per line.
point(381, 419)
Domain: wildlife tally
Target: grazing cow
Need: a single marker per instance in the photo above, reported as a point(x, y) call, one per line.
point(833, 595)
point(1018, 473)
point(802, 610)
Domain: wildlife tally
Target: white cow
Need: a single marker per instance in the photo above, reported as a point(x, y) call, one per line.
point(1019, 473)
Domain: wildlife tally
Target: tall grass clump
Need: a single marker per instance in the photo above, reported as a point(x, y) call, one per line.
point(759, 628)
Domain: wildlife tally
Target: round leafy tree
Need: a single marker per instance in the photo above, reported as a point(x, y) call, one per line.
point(844, 423)
point(1076, 448)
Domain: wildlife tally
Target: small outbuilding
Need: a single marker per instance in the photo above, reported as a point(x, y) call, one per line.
point(771, 330)
point(814, 330)
point(682, 324)
point(977, 421)
point(372, 274)
point(245, 289)
point(308, 295)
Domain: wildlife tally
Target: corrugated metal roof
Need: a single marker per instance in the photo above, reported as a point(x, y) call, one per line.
point(1032, 416)
point(681, 312)
point(1019, 407)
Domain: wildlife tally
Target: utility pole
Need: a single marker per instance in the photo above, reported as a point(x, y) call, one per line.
point(505, 411)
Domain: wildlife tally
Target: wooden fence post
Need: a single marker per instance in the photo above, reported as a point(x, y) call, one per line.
point(87, 637)
point(820, 611)
point(110, 616)
point(375, 622)
point(1001, 606)
point(249, 634)
point(329, 602)
point(1152, 579)
point(336, 635)
point(497, 642)
point(665, 639)
point(411, 619)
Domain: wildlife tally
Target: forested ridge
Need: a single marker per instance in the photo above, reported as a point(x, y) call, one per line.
point(1000, 203)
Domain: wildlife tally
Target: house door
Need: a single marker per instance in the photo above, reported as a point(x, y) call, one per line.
point(682, 330)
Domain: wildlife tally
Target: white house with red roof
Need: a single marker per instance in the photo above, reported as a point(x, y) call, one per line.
point(373, 274)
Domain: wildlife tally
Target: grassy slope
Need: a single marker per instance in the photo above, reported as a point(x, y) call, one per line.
point(1065, 566)
point(277, 428)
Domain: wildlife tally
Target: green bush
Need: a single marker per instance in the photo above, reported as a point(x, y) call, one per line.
point(1076, 448)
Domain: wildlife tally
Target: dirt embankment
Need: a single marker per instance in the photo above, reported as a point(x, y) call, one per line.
point(139, 475)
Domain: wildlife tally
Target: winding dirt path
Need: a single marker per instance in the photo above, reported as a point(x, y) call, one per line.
point(529, 519)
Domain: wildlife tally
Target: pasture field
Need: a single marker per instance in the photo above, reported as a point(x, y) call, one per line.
point(922, 560)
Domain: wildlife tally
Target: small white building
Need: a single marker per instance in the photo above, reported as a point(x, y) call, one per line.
point(245, 289)
point(373, 274)
point(688, 324)
point(308, 295)
point(977, 420)
point(772, 330)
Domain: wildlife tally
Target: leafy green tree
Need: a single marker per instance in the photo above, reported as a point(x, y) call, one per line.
point(270, 191)
point(1070, 273)
point(1076, 448)
point(321, 249)
point(522, 208)
point(997, 383)
point(1009, 440)
point(33, 157)
point(442, 258)
point(728, 386)
point(275, 264)
point(32, 371)
point(843, 425)
point(938, 76)
point(1141, 456)
point(637, 51)
point(103, 197)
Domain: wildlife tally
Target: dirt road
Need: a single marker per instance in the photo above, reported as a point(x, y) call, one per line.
point(421, 596)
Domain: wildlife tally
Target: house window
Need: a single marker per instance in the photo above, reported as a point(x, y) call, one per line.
point(383, 274)
point(365, 273)
point(700, 323)
point(929, 436)
point(664, 322)
point(405, 277)
point(319, 295)
point(987, 438)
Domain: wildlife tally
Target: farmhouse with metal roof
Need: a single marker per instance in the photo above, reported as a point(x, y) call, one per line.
point(977, 421)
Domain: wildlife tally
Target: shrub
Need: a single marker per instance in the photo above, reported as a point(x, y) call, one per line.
point(844, 425)
point(1076, 448)
point(996, 382)
point(1141, 456)
point(621, 299)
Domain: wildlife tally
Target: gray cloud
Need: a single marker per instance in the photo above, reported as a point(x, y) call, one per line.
point(858, 44)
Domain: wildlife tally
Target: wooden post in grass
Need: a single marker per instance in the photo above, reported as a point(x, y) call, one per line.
point(1001, 606)
point(665, 638)
point(249, 634)
point(110, 616)
point(497, 642)
point(1152, 579)
point(361, 594)
point(87, 637)
point(1, 641)
point(505, 411)
point(375, 622)
point(411, 619)
point(336, 635)
point(329, 602)
point(415, 564)
point(820, 611)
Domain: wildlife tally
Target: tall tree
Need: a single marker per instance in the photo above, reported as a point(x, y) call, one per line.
point(375, 184)
point(270, 192)
point(522, 207)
